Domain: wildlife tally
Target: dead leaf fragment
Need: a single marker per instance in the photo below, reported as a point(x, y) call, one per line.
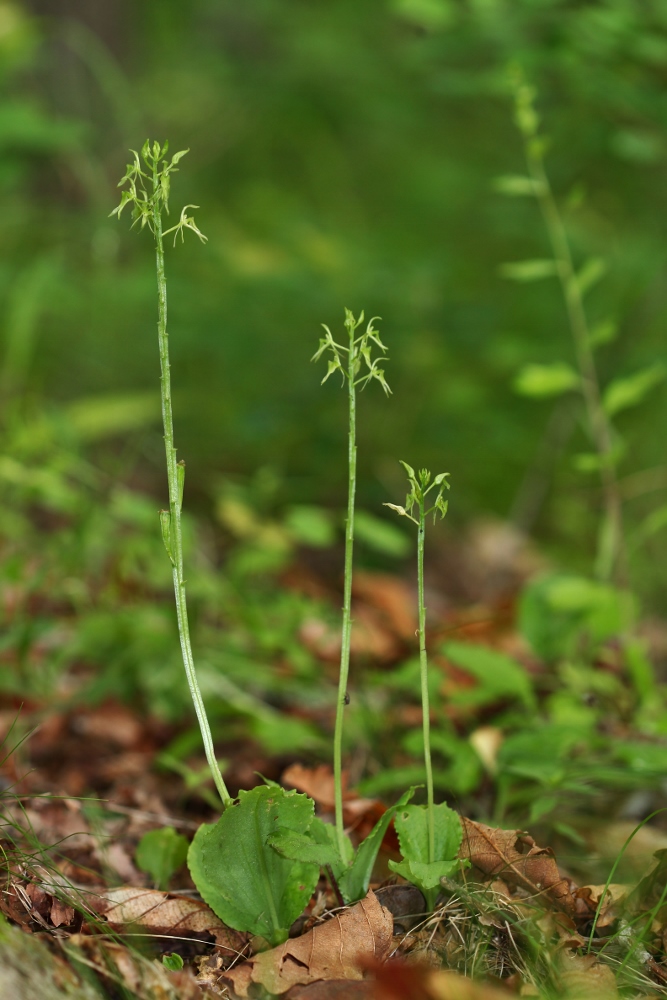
point(335, 949)
point(333, 989)
point(163, 913)
point(515, 855)
point(403, 981)
point(583, 976)
point(588, 898)
point(392, 597)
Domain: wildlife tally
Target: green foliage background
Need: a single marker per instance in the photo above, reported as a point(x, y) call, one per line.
point(343, 154)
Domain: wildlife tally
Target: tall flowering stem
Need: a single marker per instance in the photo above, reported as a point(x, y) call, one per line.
point(357, 367)
point(420, 487)
point(148, 183)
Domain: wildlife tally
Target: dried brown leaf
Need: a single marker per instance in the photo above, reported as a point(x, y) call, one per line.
point(588, 899)
point(515, 855)
point(336, 949)
point(162, 913)
point(390, 595)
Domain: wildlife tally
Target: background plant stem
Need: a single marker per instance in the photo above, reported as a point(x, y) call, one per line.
point(176, 535)
point(347, 598)
point(423, 669)
point(610, 555)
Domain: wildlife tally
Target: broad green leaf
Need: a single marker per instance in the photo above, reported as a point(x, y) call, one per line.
point(160, 853)
point(354, 882)
point(381, 535)
point(590, 273)
point(542, 381)
point(245, 881)
point(424, 875)
point(529, 270)
point(623, 393)
point(518, 186)
point(319, 846)
point(302, 847)
point(412, 828)
point(498, 675)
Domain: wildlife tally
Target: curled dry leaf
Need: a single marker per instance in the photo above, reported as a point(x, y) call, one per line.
point(336, 949)
point(588, 898)
point(162, 913)
point(516, 857)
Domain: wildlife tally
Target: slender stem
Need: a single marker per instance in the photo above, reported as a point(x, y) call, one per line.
point(175, 532)
point(610, 546)
point(423, 670)
point(347, 601)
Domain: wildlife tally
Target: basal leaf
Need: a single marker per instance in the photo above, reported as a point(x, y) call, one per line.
point(244, 880)
point(354, 882)
point(301, 847)
point(542, 381)
point(426, 876)
point(412, 828)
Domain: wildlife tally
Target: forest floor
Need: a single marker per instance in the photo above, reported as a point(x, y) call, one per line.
point(562, 891)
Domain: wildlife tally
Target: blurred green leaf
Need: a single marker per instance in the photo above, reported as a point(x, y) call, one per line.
point(529, 270)
point(498, 675)
point(544, 381)
point(515, 185)
point(98, 417)
point(381, 535)
point(622, 393)
point(161, 853)
point(590, 273)
point(310, 525)
point(603, 333)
